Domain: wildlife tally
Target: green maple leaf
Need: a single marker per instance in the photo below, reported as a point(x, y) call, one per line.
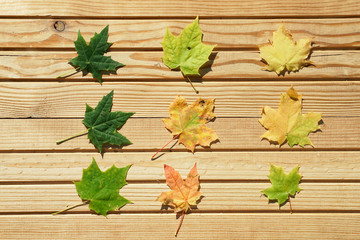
point(102, 124)
point(283, 185)
point(186, 51)
point(91, 57)
point(101, 189)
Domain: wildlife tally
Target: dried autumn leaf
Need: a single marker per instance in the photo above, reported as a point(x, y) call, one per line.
point(101, 189)
point(283, 53)
point(283, 185)
point(186, 51)
point(102, 124)
point(187, 123)
point(184, 193)
point(288, 123)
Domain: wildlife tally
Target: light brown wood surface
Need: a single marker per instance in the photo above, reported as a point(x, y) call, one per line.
point(234, 197)
point(37, 109)
point(322, 226)
point(233, 133)
point(152, 98)
point(242, 166)
point(223, 65)
point(129, 34)
point(184, 8)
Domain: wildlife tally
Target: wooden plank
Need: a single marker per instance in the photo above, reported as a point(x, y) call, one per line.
point(218, 197)
point(36, 174)
point(234, 65)
point(150, 134)
point(141, 33)
point(152, 99)
point(238, 166)
point(156, 8)
point(195, 226)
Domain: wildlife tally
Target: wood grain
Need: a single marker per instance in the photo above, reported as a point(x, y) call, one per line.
point(37, 109)
point(141, 226)
point(148, 33)
point(218, 197)
point(325, 166)
point(150, 134)
point(231, 65)
point(185, 8)
point(152, 99)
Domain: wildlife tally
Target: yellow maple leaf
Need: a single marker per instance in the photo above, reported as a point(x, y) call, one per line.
point(288, 123)
point(285, 54)
point(188, 122)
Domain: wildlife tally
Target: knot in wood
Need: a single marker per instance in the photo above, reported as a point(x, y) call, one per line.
point(59, 26)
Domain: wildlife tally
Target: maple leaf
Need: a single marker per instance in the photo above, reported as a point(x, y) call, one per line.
point(187, 123)
point(284, 53)
point(102, 124)
point(184, 193)
point(91, 57)
point(186, 51)
point(288, 123)
point(283, 185)
point(101, 189)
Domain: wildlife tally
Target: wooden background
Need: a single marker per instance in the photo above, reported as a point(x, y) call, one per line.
point(36, 110)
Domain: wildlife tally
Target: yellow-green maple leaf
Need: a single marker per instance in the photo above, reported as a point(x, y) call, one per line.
point(285, 54)
point(187, 50)
point(283, 185)
point(288, 123)
point(188, 122)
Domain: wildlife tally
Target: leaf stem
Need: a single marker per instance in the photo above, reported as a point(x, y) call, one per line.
point(180, 223)
point(69, 72)
point(197, 92)
point(68, 208)
point(290, 205)
point(152, 158)
point(73, 136)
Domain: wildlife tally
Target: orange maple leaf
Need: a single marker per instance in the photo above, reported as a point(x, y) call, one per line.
point(183, 194)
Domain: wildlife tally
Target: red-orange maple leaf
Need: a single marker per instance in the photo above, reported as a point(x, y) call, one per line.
point(184, 193)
